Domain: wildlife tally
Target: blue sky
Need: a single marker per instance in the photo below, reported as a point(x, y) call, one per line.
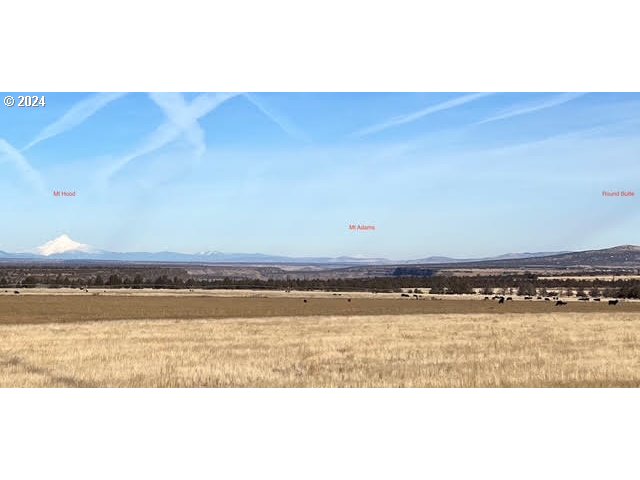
point(458, 174)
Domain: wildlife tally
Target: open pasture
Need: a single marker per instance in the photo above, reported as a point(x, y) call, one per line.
point(173, 341)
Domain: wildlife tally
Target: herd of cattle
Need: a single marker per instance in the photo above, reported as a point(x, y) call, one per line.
point(502, 299)
point(559, 303)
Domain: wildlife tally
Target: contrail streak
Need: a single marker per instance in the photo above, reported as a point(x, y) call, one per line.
point(412, 117)
point(9, 153)
point(285, 124)
point(525, 109)
point(179, 124)
point(75, 116)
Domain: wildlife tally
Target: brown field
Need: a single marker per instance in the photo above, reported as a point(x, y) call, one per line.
point(76, 308)
point(63, 341)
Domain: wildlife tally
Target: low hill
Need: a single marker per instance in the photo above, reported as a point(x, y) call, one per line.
point(620, 256)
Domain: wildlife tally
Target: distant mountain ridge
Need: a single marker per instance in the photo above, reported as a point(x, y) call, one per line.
point(64, 248)
point(504, 256)
point(620, 256)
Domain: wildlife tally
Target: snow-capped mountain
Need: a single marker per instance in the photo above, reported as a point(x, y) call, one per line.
point(63, 244)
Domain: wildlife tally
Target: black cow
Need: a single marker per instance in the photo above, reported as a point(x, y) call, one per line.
point(559, 303)
point(529, 298)
point(404, 295)
point(584, 299)
point(348, 299)
point(509, 298)
point(596, 299)
point(501, 300)
point(539, 298)
point(305, 300)
point(613, 302)
point(486, 298)
point(16, 292)
point(547, 299)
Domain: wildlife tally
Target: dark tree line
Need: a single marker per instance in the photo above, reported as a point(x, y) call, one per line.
point(521, 284)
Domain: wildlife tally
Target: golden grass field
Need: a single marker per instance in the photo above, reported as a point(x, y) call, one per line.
point(64, 341)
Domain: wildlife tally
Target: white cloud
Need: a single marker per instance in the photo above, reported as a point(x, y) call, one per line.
point(9, 153)
point(533, 107)
point(75, 116)
point(412, 117)
point(284, 123)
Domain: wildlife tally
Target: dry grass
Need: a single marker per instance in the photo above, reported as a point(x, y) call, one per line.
point(425, 350)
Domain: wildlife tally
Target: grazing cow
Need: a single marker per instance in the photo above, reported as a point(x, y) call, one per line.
point(16, 292)
point(486, 298)
point(584, 299)
point(559, 303)
point(613, 302)
point(509, 298)
point(596, 299)
point(529, 298)
point(501, 300)
point(305, 300)
point(404, 295)
point(547, 299)
point(539, 298)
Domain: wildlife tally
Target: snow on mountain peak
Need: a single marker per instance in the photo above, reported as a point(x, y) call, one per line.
point(62, 244)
